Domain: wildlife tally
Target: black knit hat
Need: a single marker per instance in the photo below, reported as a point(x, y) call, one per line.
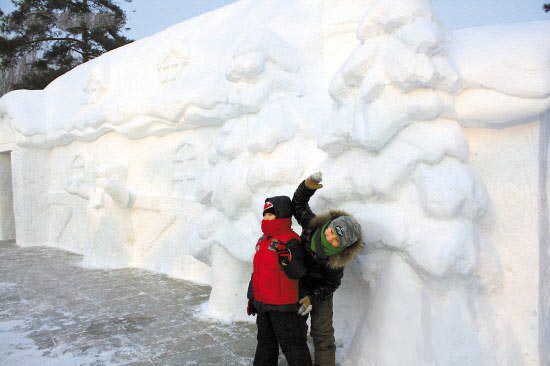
point(280, 206)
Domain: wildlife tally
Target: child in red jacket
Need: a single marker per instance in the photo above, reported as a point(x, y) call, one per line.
point(273, 292)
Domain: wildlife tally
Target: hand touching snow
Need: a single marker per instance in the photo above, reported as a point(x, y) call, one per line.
point(314, 181)
point(317, 177)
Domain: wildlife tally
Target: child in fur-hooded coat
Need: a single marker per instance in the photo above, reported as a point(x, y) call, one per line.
point(330, 242)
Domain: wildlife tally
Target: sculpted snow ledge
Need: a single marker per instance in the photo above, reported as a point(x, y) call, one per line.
point(173, 81)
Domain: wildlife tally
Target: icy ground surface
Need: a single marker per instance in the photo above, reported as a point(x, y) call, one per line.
point(54, 312)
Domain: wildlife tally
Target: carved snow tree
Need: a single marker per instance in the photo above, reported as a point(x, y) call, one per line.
point(259, 133)
point(423, 205)
point(62, 34)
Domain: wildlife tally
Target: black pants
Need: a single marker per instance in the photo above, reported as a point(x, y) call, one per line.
point(287, 329)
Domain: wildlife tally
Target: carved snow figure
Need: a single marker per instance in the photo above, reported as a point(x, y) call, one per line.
point(66, 208)
point(420, 205)
point(109, 215)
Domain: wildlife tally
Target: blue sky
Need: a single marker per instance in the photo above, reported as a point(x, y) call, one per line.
point(147, 17)
point(151, 16)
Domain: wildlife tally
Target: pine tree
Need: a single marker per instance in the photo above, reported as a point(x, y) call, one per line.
point(43, 39)
point(546, 7)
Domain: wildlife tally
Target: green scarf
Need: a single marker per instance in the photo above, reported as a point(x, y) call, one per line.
point(329, 249)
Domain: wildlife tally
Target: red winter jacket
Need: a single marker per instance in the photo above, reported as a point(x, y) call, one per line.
point(273, 284)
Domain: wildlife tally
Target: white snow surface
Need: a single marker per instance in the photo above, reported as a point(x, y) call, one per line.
point(160, 154)
point(506, 73)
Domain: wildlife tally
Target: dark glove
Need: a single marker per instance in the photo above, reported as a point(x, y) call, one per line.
point(250, 309)
point(284, 254)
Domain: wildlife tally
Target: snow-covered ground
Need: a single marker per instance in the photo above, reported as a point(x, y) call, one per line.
point(54, 312)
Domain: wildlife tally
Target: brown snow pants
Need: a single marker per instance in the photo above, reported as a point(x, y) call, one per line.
point(322, 333)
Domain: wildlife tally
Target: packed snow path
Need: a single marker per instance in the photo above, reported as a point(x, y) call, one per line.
point(54, 312)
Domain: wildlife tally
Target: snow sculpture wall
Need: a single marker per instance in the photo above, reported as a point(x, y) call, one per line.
point(507, 162)
point(31, 195)
point(150, 195)
point(162, 153)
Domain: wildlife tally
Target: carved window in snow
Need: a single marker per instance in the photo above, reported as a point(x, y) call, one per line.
point(185, 164)
point(93, 91)
point(172, 66)
point(186, 169)
point(78, 167)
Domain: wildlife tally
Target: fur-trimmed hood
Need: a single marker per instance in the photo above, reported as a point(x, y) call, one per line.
point(341, 259)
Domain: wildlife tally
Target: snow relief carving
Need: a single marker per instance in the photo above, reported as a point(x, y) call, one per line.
point(187, 169)
point(258, 134)
point(108, 212)
point(174, 62)
point(93, 91)
point(67, 210)
point(420, 204)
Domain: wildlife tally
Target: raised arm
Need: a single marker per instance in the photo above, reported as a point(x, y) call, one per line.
point(300, 200)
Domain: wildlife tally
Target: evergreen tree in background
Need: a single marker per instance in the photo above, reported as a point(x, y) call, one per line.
point(546, 7)
point(43, 39)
